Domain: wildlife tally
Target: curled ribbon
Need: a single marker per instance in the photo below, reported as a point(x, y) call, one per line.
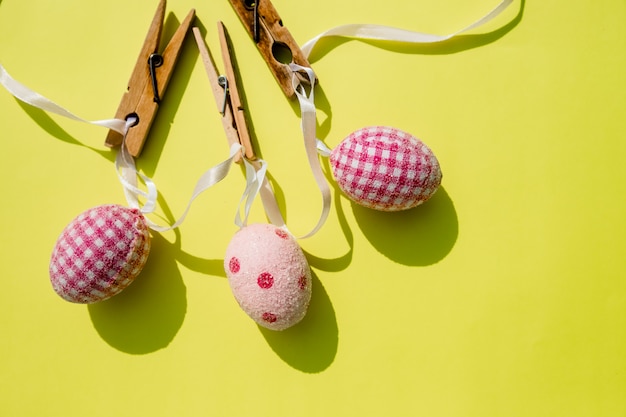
point(387, 33)
point(128, 174)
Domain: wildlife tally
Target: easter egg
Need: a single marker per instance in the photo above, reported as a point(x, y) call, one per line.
point(99, 253)
point(386, 169)
point(268, 275)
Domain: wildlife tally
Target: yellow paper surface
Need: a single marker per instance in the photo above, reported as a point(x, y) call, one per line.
point(505, 295)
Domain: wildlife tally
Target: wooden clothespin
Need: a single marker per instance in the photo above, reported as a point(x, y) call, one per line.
point(273, 40)
point(148, 82)
point(226, 92)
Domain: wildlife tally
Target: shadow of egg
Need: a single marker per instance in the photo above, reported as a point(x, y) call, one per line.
point(420, 236)
point(311, 345)
point(146, 316)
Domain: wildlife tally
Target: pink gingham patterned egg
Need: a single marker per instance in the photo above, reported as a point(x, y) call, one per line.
point(268, 275)
point(386, 169)
point(99, 253)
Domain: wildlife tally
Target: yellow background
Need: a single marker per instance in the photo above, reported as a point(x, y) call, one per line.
point(505, 295)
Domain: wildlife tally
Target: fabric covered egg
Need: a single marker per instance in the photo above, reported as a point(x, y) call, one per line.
point(268, 275)
point(99, 253)
point(386, 169)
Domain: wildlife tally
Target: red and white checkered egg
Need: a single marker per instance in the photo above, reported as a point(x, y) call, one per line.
point(386, 169)
point(99, 253)
point(268, 275)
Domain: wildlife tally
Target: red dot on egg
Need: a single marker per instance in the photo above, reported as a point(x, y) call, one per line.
point(281, 234)
point(269, 317)
point(302, 282)
point(265, 280)
point(234, 265)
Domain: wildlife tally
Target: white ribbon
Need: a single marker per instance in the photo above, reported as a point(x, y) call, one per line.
point(255, 179)
point(127, 173)
point(387, 33)
point(125, 164)
point(36, 100)
point(308, 126)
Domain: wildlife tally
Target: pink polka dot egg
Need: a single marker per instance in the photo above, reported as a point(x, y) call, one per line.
point(99, 254)
point(385, 168)
point(269, 275)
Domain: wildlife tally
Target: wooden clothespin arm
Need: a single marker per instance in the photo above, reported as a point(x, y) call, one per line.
point(226, 92)
point(149, 81)
point(273, 40)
